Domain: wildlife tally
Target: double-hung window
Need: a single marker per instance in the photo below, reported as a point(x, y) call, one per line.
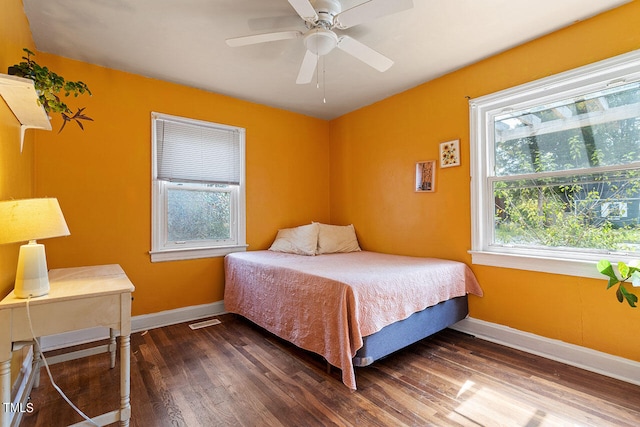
point(198, 200)
point(555, 168)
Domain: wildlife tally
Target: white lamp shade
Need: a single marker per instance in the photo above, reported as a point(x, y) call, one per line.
point(31, 219)
point(28, 220)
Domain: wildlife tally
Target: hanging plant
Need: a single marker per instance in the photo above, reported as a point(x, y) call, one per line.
point(49, 87)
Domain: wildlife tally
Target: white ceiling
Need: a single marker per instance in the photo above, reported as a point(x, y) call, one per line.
point(183, 41)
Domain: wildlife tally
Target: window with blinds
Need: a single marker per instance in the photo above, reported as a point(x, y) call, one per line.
point(198, 188)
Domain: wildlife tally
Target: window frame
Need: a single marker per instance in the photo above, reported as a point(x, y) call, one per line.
point(618, 70)
point(161, 249)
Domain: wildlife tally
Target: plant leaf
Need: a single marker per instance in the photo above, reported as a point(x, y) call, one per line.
point(634, 269)
point(619, 294)
point(64, 123)
point(631, 298)
point(605, 267)
point(624, 270)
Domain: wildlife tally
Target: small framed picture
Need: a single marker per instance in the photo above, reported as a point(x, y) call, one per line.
point(450, 154)
point(426, 176)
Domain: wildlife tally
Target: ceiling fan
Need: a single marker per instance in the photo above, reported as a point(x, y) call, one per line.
point(321, 17)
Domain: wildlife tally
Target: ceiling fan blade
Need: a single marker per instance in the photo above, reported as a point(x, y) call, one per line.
point(370, 10)
point(263, 38)
point(270, 23)
point(364, 53)
point(305, 9)
point(308, 68)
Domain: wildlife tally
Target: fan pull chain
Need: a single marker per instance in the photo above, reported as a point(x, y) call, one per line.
point(317, 71)
point(324, 85)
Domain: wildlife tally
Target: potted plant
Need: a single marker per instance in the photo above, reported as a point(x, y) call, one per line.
point(628, 272)
point(49, 87)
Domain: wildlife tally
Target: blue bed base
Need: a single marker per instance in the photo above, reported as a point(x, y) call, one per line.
point(419, 325)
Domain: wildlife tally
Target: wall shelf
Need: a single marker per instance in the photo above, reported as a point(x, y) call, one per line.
point(20, 95)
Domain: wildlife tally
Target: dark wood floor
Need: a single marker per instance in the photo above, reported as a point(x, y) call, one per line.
point(237, 374)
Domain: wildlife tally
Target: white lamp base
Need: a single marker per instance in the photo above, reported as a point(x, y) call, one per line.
point(32, 278)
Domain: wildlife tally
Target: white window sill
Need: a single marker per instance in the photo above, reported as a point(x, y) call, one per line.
point(541, 263)
point(194, 253)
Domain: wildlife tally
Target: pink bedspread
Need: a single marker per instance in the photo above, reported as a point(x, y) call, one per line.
point(327, 303)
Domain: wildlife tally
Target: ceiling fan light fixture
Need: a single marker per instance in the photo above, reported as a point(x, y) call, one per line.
point(320, 41)
point(321, 17)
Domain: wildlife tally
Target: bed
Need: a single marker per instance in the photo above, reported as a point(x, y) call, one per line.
point(351, 308)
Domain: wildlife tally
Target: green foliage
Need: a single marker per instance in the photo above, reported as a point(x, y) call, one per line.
point(562, 200)
point(198, 215)
point(49, 87)
point(567, 212)
point(627, 272)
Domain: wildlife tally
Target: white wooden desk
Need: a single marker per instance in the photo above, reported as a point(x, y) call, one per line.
point(82, 297)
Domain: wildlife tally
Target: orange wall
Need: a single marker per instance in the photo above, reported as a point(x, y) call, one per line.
point(102, 178)
point(356, 169)
point(373, 155)
point(16, 173)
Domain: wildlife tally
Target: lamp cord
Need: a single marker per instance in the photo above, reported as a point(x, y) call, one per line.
point(46, 365)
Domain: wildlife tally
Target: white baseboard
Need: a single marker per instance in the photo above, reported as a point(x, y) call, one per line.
point(582, 357)
point(179, 315)
point(570, 354)
point(138, 323)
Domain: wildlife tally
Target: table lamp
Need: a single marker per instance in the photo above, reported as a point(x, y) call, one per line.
point(30, 220)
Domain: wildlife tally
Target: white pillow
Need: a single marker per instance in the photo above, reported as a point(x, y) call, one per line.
point(302, 240)
point(337, 239)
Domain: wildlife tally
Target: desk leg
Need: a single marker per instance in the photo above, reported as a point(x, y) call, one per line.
point(112, 347)
point(37, 363)
point(125, 382)
point(5, 384)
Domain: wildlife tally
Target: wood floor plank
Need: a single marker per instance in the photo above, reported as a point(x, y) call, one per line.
point(236, 374)
point(551, 392)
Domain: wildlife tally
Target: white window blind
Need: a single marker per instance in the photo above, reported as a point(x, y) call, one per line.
point(199, 152)
point(198, 188)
